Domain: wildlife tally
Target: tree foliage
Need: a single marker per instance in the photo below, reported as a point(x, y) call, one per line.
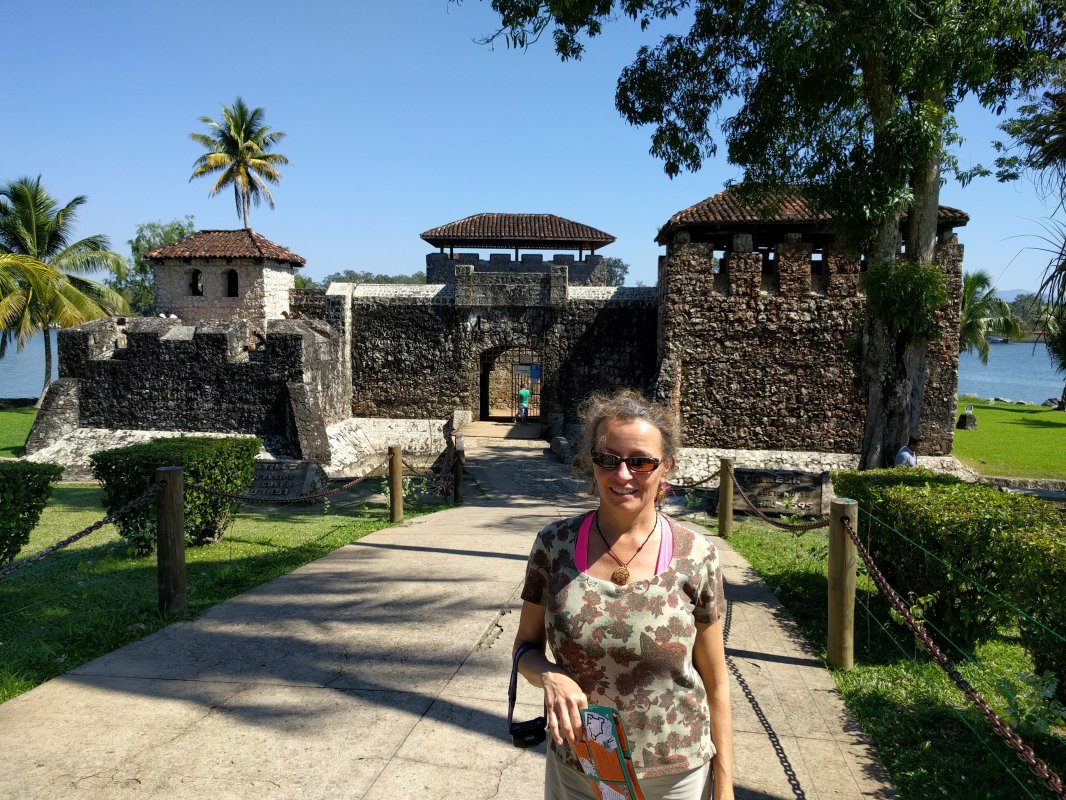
point(138, 284)
point(852, 101)
point(1029, 310)
point(45, 283)
point(238, 148)
point(983, 314)
point(354, 276)
point(617, 270)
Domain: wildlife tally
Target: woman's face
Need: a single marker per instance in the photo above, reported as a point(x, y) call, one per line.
point(622, 489)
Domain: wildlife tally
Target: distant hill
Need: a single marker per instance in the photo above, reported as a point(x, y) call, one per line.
point(1011, 294)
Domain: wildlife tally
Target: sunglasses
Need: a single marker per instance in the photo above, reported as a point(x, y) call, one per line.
point(635, 463)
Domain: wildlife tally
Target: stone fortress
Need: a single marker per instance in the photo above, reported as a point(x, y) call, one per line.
point(745, 338)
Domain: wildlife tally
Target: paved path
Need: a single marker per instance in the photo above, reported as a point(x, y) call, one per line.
point(379, 672)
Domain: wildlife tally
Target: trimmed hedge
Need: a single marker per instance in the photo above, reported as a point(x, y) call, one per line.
point(1014, 545)
point(225, 464)
point(24, 491)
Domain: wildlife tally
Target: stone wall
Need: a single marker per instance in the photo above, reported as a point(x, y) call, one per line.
point(262, 290)
point(160, 374)
point(756, 357)
point(590, 272)
point(419, 351)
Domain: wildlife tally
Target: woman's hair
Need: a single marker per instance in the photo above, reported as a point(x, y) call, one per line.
point(625, 405)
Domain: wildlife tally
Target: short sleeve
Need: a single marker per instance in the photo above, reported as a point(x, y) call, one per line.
point(537, 569)
point(710, 595)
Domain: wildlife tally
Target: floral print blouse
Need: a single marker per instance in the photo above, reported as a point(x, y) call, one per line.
point(630, 647)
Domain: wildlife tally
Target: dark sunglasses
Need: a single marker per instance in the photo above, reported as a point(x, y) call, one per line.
point(635, 463)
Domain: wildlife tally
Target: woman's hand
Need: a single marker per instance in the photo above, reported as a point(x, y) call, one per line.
point(564, 701)
point(563, 698)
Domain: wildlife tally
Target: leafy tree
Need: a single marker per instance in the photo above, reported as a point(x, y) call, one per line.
point(237, 148)
point(854, 101)
point(1029, 310)
point(35, 230)
point(138, 284)
point(1039, 134)
point(304, 282)
point(982, 314)
point(617, 270)
point(353, 276)
point(1055, 338)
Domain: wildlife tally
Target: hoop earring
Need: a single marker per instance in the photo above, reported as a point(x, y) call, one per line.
point(592, 489)
point(661, 494)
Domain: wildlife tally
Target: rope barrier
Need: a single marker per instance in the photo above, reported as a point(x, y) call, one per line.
point(274, 501)
point(1024, 752)
point(132, 504)
point(700, 482)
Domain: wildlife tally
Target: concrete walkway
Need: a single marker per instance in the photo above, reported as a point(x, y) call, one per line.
point(380, 671)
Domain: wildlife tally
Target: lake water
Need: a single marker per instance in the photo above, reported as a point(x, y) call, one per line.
point(1014, 371)
point(22, 374)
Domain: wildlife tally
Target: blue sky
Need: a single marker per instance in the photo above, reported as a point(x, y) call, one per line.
point(397, 122)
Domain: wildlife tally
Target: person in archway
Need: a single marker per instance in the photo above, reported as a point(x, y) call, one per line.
point(523, 404)
point(632, 607)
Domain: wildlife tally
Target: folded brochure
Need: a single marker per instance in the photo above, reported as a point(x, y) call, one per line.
point(604, 755)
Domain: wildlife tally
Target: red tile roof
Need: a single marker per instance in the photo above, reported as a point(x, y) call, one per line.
point(526, 231)
point(243, 243)
point(727, 207)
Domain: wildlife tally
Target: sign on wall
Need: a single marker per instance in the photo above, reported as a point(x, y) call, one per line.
point(782, 491)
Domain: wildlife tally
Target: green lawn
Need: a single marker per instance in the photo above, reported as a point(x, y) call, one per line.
point(930, 740)
point(15, 424)
point(1011, 440)
point(93, 596)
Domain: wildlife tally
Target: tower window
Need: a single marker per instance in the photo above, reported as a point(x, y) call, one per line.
point(196, 283)
point(232, 284)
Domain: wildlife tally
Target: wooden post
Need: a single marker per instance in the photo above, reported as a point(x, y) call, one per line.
point(170, 541)
point(457, 468)
point(725, 498)
point(841, 644)
point(395, 484)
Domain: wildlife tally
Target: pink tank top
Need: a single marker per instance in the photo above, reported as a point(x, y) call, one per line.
point(666, 544)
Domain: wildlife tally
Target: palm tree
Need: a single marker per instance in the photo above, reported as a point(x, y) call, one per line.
point(41, 278)
point(1055, 339)
point(237, 148)
point(983, 313)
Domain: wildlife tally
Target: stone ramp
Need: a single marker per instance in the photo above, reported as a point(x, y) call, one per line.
point(380, 671)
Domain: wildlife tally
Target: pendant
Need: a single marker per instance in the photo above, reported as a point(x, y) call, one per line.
point(620, 576)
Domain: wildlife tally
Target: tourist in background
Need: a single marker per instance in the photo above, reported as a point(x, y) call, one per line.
point(523, 404)
point(632, 608)
point(907, 455)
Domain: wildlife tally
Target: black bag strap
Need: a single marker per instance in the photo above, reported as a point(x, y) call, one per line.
point(512, 689)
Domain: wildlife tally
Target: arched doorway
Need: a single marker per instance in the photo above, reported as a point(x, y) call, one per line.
point(505, 370)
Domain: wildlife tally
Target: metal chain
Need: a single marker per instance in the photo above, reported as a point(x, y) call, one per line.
point(132, 504)
point(810, 526)
point(771, 734)
point(441, 482)
point(700, 482)
point(275, 501)
point(1013, 740)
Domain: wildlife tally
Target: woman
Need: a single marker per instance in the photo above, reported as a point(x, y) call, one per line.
point(632, 608)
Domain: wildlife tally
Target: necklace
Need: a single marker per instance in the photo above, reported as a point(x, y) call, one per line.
point(621, 575)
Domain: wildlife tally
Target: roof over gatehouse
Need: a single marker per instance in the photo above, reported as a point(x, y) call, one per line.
point(242, 243)
point(727, 211)
point(517, 231)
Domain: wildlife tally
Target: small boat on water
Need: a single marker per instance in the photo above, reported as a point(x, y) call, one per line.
point(997, 340)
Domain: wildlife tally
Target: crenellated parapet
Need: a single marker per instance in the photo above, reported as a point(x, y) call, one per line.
point(590, 271)
point(162, 374)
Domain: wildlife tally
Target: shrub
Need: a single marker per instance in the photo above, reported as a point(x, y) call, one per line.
point(225, 464)
point(1012, 544)
point(24, 490)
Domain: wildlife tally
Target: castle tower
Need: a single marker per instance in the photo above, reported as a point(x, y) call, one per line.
point(225, 275)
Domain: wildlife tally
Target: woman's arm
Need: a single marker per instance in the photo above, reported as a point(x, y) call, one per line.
point(709, 657)
point(562, 696)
